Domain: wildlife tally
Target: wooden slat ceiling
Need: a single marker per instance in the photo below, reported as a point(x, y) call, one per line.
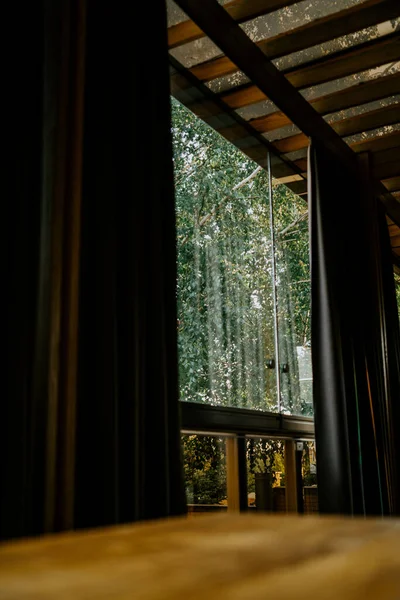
point(349, 95)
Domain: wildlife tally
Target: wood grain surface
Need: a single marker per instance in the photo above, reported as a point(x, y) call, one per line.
point(217, 557)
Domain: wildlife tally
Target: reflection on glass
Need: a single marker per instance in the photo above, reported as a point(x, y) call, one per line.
point(224, 291)
point(309, 474)
point(294, 301)
point(397, 284)
point(204, 459)
point(225, 310)
point(266, 474)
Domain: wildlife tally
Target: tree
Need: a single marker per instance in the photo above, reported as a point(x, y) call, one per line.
point(225, 294)
point(397, 284)
point(205, 469)
point(265, 456)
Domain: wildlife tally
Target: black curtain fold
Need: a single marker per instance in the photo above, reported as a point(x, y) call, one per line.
point(128, 452)
point(33, 102)
point(90, 421)
point(355, 341)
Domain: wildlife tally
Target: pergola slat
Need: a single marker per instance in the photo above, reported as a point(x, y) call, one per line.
point(234, 42)
point(343, 63)
point(319, 31)
point(392, 185)
point(356, 95)
point(239, 10)
point(379, 143)
point(184, 86)
point(278, 86)
point(387, 115)
point(301, 164)
point(395, 241)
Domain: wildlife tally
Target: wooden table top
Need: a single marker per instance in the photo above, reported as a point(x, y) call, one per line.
point(213, 557)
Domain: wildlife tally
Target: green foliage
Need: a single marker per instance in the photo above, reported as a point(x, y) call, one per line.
point(397, 284)
point(225, 297)
point(205, 469)
point(309, 478)
point(225, 301)
point(265, 456)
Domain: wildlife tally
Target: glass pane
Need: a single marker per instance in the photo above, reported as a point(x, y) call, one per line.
point(397, 284)
point(309, 474)
point(294, 301)
point(204, 459)
point(266, 475)
point(225, 304)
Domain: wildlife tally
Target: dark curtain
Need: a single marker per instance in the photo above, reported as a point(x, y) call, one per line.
point(89, 424)
point(355, 341)
point(128, 456)
point(33, 165)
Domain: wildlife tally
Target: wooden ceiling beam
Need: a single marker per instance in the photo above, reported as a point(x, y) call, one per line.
point(356, 95)
point(395, 241)
point(239, 10)
point(322, 30)
point(378, 143)
point(341, 64)
point(234, 42)
point(301, 164)
point(184, 86)
point(392, 185)
point(388, 115)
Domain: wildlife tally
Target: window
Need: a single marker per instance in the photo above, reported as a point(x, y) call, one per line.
point(266, 474)
point(204, 460)
point(293, 301)
point(309, 478)
point(243, 298)
point(226, 319)
point(397, 285)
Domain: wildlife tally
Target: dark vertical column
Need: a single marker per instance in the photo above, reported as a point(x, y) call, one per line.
point(332, 289)
point(355, 365)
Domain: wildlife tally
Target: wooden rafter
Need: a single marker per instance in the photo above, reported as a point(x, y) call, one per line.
point(378, 143)
point(184, 86)
point(281, 88)
point(319, 31)
point(388, 115)
point(233, 41)
point(341, 64)
point(370, 91)
point(239, 10)
point(392, 184)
